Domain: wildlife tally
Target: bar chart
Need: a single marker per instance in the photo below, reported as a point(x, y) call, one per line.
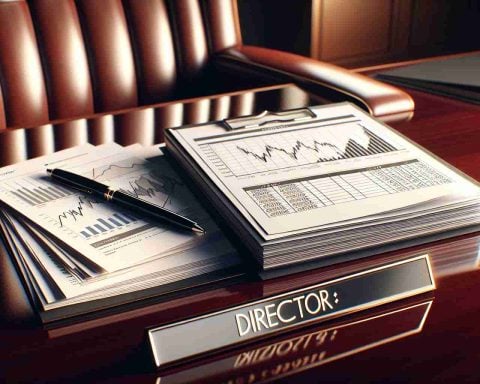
point(35, 190)
point(107, 224)
point(35, 195)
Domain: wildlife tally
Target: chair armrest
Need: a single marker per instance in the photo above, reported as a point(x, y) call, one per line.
point(378, 98)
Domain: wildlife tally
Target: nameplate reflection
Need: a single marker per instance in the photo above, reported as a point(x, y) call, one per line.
point(307, 350)
point(273, 315)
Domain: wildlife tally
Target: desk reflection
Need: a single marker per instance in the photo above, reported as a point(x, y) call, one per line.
point(146, 125)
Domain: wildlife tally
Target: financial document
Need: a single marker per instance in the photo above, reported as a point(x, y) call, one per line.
point(339, 167)
point(76, 251)
point(93, 228)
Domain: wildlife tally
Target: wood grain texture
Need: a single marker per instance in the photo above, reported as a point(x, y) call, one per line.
point(352, 31)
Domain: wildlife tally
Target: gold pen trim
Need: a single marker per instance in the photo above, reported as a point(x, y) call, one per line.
point(109, 194)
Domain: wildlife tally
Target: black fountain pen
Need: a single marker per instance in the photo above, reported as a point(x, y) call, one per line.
point(122, 199)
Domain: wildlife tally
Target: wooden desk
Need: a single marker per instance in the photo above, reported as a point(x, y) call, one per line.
point(114, 348)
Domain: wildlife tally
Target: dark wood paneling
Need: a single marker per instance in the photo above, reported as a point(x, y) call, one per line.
point(357, 33)
point(348, 28)
point(278, 24)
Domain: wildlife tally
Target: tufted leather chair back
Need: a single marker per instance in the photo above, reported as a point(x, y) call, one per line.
point(61, 59)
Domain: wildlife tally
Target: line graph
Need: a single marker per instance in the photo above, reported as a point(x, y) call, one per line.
point(96, 174)
point(285, 149)
point(77, 211)
point(328, 149)
point(153, 184)
point(143, 179)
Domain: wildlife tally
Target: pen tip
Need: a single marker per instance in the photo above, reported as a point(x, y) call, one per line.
point(197, 228)
point(49, 171)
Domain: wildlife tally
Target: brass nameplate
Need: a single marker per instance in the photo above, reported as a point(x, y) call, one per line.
point(315, 303)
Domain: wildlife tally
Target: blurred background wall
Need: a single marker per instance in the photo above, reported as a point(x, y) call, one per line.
point(356, 33)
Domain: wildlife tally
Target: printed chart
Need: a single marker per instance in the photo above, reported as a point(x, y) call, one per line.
point(296, 147)
point(102, 225)
point(140, 180)
point(300, 195)
point(34, 193)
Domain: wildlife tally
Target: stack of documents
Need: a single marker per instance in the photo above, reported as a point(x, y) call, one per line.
point(318, 182)
point(78, 253)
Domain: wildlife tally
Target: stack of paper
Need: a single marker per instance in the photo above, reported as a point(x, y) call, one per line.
point(306, 188)
point(78, 253)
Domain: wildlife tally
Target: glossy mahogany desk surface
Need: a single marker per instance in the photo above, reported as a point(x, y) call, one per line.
point(114, 348)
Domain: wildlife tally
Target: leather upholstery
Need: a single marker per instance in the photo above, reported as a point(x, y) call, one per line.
point(378, 98)
point(110, 50)
point(65, 61)
point(143, 125)
point(23, 85)
point(156, 68)
point(65, 58)
point(70, 59)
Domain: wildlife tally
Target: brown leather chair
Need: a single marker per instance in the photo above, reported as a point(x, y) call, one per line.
point(71, 59)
